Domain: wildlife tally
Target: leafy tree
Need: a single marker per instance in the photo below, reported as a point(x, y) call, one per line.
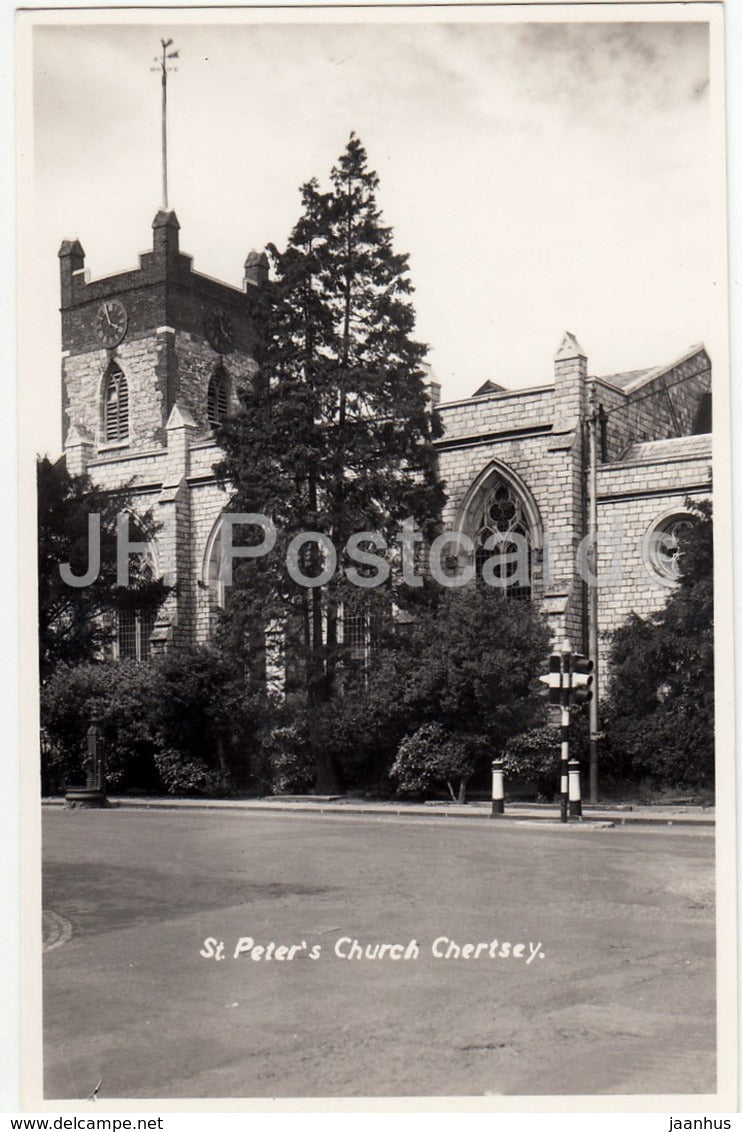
point(335, 437)
point(73, 626)
point(469, 666)
point(660, 706)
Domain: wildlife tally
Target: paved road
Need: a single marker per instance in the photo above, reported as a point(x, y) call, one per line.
point(612, 991)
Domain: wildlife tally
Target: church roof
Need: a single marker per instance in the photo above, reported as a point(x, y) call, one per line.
point(672, 448)
point(624, 379)
point(488, 387)
point(635, 378)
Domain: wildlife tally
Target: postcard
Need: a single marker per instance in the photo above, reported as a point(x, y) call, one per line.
point(377, 668)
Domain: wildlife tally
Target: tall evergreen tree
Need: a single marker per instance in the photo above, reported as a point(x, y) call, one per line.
point(336, 435)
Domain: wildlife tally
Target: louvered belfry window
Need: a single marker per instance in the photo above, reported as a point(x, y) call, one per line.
point(217, 402)
point(115, 405)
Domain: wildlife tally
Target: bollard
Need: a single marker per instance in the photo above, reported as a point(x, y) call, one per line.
point(498, 789)
point(575, 797)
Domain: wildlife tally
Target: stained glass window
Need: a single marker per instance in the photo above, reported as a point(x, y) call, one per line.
point(503, 520)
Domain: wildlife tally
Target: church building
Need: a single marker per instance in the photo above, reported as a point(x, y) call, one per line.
point(154, 357)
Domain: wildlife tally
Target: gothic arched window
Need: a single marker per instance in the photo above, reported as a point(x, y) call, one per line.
point(214, 580)
point(115, 405)
point(217, 397)
point(503, 520)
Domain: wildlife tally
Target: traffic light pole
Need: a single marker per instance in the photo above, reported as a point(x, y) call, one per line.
point(569, 681)
point(564, 735)
point(564, 767)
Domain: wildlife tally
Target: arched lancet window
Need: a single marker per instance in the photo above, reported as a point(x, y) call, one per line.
point(115, 405)
point(217, 397)
point(502, 518)
point(214, 580)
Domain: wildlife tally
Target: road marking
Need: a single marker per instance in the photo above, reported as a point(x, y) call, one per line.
point(55, 930)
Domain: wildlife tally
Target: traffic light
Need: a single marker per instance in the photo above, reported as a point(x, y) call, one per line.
point(553, 680)
point(582, 680)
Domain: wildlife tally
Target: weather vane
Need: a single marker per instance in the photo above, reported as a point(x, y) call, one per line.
point(162, 66)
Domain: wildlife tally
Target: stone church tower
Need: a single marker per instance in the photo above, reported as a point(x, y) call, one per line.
point(152, 359)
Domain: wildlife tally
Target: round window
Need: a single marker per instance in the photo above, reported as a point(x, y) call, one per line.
point(662, 547)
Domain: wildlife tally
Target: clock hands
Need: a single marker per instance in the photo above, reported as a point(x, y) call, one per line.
point(110, 322)
point(219, 330)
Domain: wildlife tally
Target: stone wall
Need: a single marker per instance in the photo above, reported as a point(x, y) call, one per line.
point(633, 498)
point(143, 362)
point(495, 414)
point(196, 363)
point(177, 484)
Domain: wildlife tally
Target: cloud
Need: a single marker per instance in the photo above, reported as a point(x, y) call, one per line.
point(626, 67)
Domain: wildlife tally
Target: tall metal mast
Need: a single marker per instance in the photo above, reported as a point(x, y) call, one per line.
point(164, 68)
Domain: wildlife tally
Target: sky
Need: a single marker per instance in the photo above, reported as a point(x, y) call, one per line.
point(543, 177)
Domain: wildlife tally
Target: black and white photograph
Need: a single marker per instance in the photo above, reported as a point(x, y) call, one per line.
point(377, 728)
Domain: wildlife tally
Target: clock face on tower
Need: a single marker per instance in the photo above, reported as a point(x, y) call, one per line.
point(219, 330)
point(111, 321)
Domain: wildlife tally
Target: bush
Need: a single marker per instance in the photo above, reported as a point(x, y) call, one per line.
point(122, 697)
point(288, 763)
point(534, 757)
point(433, 757)
point(190, 716)
point(467, 664)
point(207, 713)
point(183, 775)
point(670, 748)
point(188, 706)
